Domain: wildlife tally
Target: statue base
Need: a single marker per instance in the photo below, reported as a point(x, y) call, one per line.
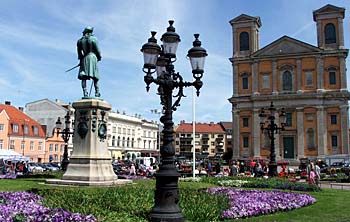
point(90, 163)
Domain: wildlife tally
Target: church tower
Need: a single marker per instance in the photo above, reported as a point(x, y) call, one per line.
point(245, 31)
point(330, 33)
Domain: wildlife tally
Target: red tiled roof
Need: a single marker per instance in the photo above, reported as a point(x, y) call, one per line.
point(18, 117)
point(226, 125)
point(200, 128)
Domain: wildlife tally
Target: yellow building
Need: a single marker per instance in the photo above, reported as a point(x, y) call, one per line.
point(308, 81)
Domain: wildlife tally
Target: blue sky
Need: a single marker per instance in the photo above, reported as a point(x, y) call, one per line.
point(38, 43)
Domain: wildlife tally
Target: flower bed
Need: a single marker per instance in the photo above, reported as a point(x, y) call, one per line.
point(247, 203)
point(24, 206)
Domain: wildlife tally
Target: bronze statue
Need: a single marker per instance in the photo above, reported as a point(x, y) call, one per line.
point(88, 54)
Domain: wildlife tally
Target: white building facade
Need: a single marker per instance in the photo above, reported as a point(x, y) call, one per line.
point(131, 136)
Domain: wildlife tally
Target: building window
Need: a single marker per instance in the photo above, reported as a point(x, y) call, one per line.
point(197, 143)
point(124, 131)
point(23, 145)
point(128, 131)
point(245, 142)
point(245, 121)
point(35, 130)
point(56, 147)
point(51, 147)
point(2, 127)
point(267, 140)
point(15, 128)
point(12, 144)
point(245, 84)
point(287, 81)
point(127, 142)
point(333, 119)
point(119, 130)
point(243, 41)
point(114, 129)
point(40, 146)
point(289, 119)
point(197, 135)
point(334, 139)
point(31, 146)
point(113, 140)
point(132, 142)
point(25, 129)
point(329, 33)
point(62, 148)
point(118, 141)
point(309, 78)
point(1, 144)
point(265, 82)
point(123, 142)
point(310, 138)
point(332, 76)
point(133, 132)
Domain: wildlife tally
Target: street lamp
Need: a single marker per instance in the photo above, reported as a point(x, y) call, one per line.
point(272, 128)
point(156, 111)
point(25, 131)
point(65, 133)
point(160, 59)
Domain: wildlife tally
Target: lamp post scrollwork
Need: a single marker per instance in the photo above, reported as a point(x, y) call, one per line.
point(268, 125)
point(160, 59)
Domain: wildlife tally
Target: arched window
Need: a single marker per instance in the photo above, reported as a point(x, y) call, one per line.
point(118, 141)
point(132, 142)
point(123, 142)
point(244, 41)
point(329, 33)
point(287, 81)
point(310, 138)
point(127, 142)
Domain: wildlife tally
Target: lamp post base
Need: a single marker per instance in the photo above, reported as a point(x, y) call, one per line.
point(65, 163)
point(273, 170)
point(166, 196)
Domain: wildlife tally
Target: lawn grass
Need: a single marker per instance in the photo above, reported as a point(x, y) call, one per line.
point(133, 202)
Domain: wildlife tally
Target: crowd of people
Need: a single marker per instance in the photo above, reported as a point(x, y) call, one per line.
point(12, 167)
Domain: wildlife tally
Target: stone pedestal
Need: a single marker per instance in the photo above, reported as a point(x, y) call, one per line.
point(90, 164)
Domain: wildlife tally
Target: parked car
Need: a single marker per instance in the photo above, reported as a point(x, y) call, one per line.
point(51, 167)
point(35, 168)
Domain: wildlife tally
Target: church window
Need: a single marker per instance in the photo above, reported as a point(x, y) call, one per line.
point(287, 81)
point(244, 41)
point(310, 138)
point(329, 33)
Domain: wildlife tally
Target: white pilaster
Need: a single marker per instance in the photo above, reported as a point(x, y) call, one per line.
point(344, 125)
point(300, 132)
point(256, 132)
point(321, 131)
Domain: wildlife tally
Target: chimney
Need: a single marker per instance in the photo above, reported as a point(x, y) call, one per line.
point(21, 108)
point(211, 124)
point(8, 103)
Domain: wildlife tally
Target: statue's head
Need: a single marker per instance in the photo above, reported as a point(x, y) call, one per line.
point(88, 29)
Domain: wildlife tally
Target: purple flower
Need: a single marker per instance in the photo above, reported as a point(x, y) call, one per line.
point(24, 206)
point(247, 203)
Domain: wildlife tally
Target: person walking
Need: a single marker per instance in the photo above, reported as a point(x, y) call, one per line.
point(318, 174)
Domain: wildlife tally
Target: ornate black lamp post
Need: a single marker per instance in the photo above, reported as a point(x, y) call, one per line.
point(272, 128)
point(65, 133)
point(160, 59)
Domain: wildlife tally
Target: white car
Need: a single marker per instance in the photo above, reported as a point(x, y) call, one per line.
point(35, 168)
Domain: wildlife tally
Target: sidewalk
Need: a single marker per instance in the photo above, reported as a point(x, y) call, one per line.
point(334, 185)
